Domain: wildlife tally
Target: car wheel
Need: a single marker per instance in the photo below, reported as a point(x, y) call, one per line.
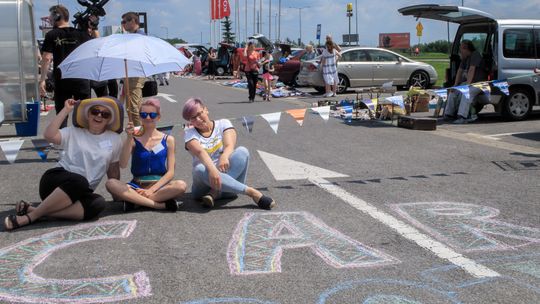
point(220, 71)
point(295, 80)
point(419, 79)
point(320, 89)
point(518, 105)
point(343, 84)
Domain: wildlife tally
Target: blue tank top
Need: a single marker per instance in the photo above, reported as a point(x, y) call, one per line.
point(144, 162)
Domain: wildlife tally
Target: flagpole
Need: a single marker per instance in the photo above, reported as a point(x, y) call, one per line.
point(279, 21)
point(246, 21)
point(270, 20)
point(210, 10)
point(254, 15)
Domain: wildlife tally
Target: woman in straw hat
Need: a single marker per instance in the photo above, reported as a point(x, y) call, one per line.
point(91, 149)
point(152, 165)
point(219, 169)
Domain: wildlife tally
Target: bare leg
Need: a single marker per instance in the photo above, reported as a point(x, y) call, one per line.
point(124, 192)
point(173, 189)
point(73, 212)
point(254, 194)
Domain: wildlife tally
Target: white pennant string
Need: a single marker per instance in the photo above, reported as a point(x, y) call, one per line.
point(324, 112)
point(273, 120)
point(11, 149)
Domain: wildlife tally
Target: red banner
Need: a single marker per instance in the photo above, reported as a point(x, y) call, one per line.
point(395, 40)
point(220, 9)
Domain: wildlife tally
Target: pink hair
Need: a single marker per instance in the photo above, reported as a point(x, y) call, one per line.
point(154, 102)
point(191, 106)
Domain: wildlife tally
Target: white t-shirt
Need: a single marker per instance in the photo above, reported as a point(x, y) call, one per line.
point(88, 154)
point(212, 144)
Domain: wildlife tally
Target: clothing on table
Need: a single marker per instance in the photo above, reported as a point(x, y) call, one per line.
point(75, 186)
point(330, 74)
point(149, 162)
point(213, 144)
point(89, 154)
point(232, 182)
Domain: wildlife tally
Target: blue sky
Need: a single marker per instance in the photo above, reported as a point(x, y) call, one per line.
point(188, 19)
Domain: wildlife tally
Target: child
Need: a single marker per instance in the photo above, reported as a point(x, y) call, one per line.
point(268, 69)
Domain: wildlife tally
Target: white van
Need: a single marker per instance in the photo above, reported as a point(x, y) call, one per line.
point(510, 48)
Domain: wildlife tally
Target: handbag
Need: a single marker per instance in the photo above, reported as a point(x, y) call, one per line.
point(150, 88)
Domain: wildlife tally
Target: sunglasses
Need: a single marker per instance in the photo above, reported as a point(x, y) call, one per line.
point(152, 115)
point(104, 114)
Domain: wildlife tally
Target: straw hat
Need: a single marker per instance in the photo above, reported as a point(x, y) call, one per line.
point(116, 124)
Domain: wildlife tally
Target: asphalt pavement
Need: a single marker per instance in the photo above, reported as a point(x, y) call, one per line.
point(366, 213)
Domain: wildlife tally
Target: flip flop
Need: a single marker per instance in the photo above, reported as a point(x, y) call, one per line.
point(21, 207)
point(12, 218)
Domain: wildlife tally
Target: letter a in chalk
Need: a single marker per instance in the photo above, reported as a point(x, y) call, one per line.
point(260, 238)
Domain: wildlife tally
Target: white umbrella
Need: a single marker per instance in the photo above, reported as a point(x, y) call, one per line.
point(122, 55)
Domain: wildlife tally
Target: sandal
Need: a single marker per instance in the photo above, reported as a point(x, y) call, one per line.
point(266, 202)
point(207, 201)
point(12, 218)
point(21, 207)
point(171, 205)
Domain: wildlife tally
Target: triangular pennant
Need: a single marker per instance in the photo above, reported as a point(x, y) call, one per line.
point(11, 149)
point(502, 85)
point(396, 100)
point(247, 122)
point(484, 86)
point(375, 102)
point(273, 120)
point(42, 147)
point(443, 93)
point(324, 112)
point(298, 115)
point(464, 89)
point(166, 129)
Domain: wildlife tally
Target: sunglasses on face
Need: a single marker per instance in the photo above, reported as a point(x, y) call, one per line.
point(152, 115)
point(104, 114)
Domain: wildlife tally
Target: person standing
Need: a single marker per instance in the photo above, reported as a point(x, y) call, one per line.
point(251, 68)
point(268, 69)
point(212, 58)
point(130, 24)
point(58, 44)
point(329, 60)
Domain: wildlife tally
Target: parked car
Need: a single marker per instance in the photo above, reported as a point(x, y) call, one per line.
point(507, 47)
point(365, 67)
point(288, 71)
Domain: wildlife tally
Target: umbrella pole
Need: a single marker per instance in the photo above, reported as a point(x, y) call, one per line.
point(126, 92)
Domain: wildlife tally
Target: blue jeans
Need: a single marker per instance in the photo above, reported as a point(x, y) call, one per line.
point(457, 102)
point(232, 182)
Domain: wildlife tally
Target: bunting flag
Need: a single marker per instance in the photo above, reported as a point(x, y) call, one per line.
point(11, 149)
point(42, 147)
point(273, 120)
point(298, 114)
point(166, 129)
point(348, 113)
point(502, 85)
point(371, 104)
point(464, 89)
point(324, 112)
point(247, 122)
point(396, 100)
point(443, 93)
point(484, 86)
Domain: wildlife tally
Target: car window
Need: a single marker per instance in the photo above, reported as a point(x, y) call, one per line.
point(478, 40)
point(518, 43)
point(354, 56)
point(537, 39)
point(382, 56)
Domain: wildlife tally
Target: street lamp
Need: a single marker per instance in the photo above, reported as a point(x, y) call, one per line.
point(166, 31)
point(300, 18)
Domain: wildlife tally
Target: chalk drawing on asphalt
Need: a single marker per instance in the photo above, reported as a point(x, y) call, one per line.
point(467, 227)
point(230, 301)
point(260, 238)
point(19, 283)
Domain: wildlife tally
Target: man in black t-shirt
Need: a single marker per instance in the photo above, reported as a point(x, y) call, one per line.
point(58, 44)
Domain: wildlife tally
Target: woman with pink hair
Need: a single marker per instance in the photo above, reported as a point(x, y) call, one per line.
point(219, 169)
point(152, 165)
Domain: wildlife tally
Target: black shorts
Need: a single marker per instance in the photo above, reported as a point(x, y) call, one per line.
point(75, 186)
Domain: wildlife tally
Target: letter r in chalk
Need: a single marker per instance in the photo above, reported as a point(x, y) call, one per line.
point(260, 238)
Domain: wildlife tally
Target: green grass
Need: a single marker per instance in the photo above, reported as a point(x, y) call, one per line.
point(440, 67)
point(426, 56)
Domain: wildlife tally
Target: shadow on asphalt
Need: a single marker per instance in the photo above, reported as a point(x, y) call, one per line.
point(529, 136)
point(525, 154)
point(235, 102)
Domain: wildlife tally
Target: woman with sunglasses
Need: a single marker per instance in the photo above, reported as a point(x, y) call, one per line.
point(91, 149)
point(152, 165)
point(219, 169)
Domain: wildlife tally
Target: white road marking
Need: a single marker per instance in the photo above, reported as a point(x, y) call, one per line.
point(166, 97)
point(496, 136)
point(286, 169)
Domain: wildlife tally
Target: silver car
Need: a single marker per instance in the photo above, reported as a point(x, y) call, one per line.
point(365, 67)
